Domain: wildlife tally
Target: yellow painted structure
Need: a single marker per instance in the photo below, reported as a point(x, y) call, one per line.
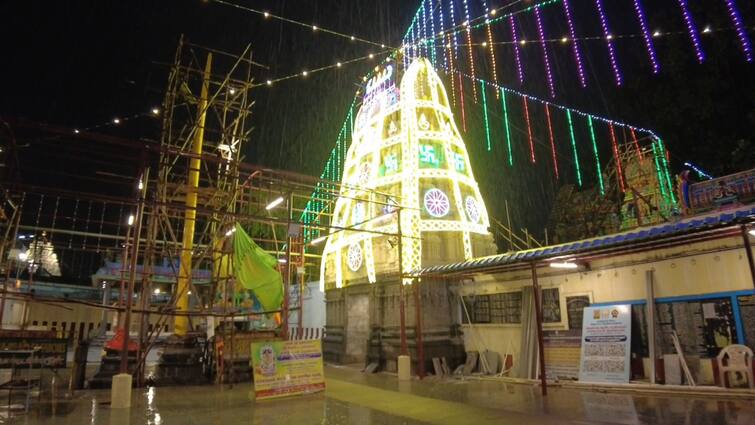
point(407, 154)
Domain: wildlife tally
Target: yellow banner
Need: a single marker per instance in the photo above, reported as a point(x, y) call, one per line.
point(284, 368)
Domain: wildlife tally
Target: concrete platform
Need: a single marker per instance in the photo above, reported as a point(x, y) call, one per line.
point(355, 398)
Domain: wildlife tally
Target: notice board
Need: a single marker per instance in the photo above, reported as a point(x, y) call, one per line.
point(283, 368)
point(606, 339)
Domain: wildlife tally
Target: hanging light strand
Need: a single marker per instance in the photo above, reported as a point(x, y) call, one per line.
point(551, 140)
point(597, 157)
point(546, 61)
point(268, 15)
point(575, 44)
point(506, 123)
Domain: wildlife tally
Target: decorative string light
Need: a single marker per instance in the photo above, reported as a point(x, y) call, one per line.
point(529, 130)
point(267, 15)
point(432, 31)
point(423, 32)
point(491, 44)
point(461, 100)
point(485, 113)
point(597, 158)
point(698, 170)
point(692, 29)
point(442, 39)
point(306, 73)
point(646, 36)
point(666, 172)
point(541, 33)
point(609, 42)
point(575, 45)
point(736, 18)
point(518, 60)
point(617, 158)
point(661, 182)
point(506, 123)
point(469, 41)
point(574, 147)
point(636, 144)
point(451, 64)
point(455, 41)
point(551, 140)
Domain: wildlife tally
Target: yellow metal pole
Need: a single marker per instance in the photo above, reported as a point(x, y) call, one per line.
point(181, 323)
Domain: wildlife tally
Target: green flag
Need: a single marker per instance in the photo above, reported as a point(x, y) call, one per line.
point(257, 270)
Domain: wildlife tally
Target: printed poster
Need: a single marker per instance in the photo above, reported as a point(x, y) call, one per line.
point(606, 338)
point(283, 368)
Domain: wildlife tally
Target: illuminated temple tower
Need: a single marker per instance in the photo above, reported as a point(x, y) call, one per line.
point(406, 151)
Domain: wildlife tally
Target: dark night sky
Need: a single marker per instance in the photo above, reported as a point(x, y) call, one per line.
point(80, 63)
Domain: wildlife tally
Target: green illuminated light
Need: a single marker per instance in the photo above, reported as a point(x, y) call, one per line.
point(574, 147)
point(508, 130)
point(485, 109)
point(597, 158)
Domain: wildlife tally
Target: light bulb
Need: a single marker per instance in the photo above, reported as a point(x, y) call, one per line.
point(523, 42)
point(155, 111)
point(76, 131)
point(267, 15)
point(304, 73)
point(657, 33)
point(269, 83)
point(116, 121)
point(314, 27)
point(338, 64)
point(353, 38)
point(564, 39)
point(484, 44)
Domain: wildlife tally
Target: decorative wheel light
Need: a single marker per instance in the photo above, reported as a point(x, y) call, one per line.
point(473, 210)
point(354, 257)
point(436, 203)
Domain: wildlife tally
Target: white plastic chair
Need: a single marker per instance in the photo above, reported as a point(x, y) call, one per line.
point(735, 358)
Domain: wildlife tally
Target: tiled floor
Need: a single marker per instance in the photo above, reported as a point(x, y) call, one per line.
point(355, 398)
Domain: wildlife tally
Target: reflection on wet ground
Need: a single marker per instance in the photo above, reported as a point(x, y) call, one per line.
point(356, 398)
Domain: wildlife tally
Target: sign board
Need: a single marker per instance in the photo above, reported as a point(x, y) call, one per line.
point(606, 338)
point(283, 368)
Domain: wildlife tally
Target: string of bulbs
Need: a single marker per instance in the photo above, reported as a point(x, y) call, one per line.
point(563, 40)
point(268, 15)
point(118, 120)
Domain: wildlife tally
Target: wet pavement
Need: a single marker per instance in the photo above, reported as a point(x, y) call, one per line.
point(355, 398)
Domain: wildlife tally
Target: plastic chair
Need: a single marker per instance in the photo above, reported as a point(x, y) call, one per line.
point(735, 358)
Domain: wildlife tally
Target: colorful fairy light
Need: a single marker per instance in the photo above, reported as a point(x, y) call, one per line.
point(451, 65)
point(485, 113)
point(575, 45)
point(432, 34)
point(515, 39)
point(551, 140)
point(698, 170)
point(666, 170)
point(461, 99)
point(692, 29)
point(574, 147)
point(469, 46)
point(529, 129)
point(423, 32)
point(442, 29)
point(506, 123)
point(617, 158)
point(636, 144)
point(736, 18)
point(646, 36)
point(609, 42)
point(661, 182)
point(541, 34)
point(491, 45)
point(595, 153)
